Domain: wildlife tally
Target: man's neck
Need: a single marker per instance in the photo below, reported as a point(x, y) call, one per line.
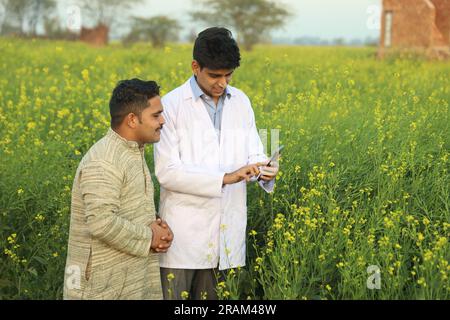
point(215, 99)
point(128, 136)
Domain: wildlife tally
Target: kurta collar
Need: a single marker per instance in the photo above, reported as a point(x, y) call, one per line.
point(119, 139)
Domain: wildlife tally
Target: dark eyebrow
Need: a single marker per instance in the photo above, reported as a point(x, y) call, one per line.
point(220, 75)
point(157, 113)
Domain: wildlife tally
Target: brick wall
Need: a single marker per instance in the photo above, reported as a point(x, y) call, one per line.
point(97, 36)
point(443, 18)
point(416, 24)
point(412, 22)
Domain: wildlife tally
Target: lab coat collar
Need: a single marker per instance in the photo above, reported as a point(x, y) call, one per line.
point(198, 92)
point(188, 92)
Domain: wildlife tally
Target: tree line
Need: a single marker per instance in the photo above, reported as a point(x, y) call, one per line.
point(251, 20)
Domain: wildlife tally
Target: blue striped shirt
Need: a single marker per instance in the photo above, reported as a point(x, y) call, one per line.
point(214, 111)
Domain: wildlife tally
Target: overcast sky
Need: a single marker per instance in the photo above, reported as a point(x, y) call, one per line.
point(327, 19)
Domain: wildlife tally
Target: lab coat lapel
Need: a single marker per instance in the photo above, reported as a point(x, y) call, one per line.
point(232, 134)
point(207, 131)
point(225, 129)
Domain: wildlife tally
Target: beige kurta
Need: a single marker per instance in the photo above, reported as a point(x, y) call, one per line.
point(109, 241)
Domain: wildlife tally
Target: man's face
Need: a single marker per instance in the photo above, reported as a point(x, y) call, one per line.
point(149, 128)
point(212, 82)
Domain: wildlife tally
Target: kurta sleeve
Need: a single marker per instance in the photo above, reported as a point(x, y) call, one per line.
point(100, 184)
point(175, 176)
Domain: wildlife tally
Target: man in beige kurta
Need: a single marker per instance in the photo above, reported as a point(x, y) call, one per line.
point(110, 252)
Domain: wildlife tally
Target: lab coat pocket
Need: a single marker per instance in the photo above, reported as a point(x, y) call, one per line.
point(192, 229)
point(235, 221)
point(233, 234)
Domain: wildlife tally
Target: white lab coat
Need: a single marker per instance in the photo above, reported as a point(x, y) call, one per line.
point(208, 221)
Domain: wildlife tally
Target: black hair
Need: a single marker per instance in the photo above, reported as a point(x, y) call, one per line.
point(216, 49)
point(131, 96)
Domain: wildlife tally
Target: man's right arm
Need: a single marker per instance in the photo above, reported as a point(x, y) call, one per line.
point(100, 185)
point(173, 175)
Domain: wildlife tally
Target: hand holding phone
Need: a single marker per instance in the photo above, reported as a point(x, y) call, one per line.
point(274, 157)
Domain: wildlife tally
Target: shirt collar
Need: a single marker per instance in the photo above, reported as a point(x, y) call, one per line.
point(198, 92)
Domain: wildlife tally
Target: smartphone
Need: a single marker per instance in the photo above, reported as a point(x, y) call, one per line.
point(274, 157)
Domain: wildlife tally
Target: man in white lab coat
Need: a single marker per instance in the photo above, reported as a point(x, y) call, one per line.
point(208, 152)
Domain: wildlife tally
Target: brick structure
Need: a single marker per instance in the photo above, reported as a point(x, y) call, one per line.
point(416, 25)
point(97, 36)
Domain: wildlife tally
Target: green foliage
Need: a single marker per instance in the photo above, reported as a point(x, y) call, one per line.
point(364, 176)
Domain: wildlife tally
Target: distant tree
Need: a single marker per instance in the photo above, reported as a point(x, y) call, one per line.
point(54, 30)
point(23, 16)
point(3, 4)
point(2, 12)
point(158, 30)
point(107, 12)
point(252, 19)
point(15, 15)
point(338, 42)
point(39, 11)
point(371, 42)
point(192, 35)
